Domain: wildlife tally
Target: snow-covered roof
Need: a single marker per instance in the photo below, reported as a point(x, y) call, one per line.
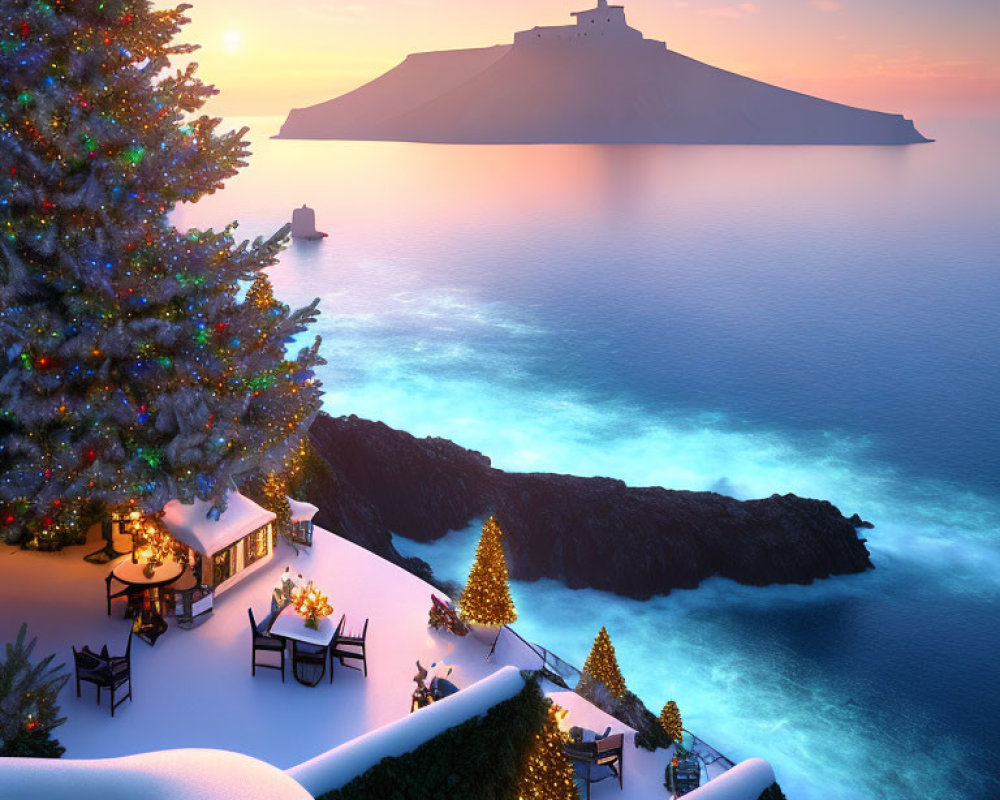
point(191, 525)
point(301, 512)
point(165, 775)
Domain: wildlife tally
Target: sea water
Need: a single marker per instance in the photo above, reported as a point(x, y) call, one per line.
point(750, 320)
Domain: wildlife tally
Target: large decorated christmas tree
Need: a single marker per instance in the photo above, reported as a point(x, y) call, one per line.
point(130, 367)
point(486, 599)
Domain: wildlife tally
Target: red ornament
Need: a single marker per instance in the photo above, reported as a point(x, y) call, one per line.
point(25, 30)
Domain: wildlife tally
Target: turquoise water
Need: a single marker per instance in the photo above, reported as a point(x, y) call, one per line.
point(749, 320)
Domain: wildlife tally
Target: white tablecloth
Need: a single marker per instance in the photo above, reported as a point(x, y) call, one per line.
point(290, 625)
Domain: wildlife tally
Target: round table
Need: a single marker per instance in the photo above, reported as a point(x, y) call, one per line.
point(138, 584)
point(132, 574)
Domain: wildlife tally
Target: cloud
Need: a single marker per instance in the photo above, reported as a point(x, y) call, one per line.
point(826, 5)
point(731, 12)
point(914, 65)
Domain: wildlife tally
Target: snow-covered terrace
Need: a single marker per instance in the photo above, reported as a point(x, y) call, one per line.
point(194, 689)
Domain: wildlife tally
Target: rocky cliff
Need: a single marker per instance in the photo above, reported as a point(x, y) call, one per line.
point(585, 532)
point(579, 90)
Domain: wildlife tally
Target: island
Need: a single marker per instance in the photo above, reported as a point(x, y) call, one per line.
point(597, 81)
point(586, 532)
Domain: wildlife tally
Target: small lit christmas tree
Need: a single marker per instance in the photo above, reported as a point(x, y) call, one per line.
point(28, 710)
point(272, 489)
point(546, 773)
point(670, 719)
point(486, 599)
point(602, 666)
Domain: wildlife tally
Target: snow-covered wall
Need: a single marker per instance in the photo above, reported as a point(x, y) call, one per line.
point(337, 767)
point(165, 775)
point(745, 781)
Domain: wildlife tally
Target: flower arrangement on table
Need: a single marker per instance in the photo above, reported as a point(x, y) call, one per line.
point(311, 603)
point(151, 543)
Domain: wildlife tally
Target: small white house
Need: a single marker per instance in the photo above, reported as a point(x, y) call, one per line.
point(302, 521)
point(228, 548)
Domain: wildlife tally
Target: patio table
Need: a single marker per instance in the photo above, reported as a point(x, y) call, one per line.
point(289, 624)
point(132, 576)
point(150, 624)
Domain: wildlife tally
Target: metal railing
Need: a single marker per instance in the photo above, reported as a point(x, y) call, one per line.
point(561, 672)
point(553, 667)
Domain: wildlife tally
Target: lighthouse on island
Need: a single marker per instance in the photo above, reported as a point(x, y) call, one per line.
point(604, 25)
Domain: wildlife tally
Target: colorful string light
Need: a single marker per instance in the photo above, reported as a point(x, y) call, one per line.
point(130, 369)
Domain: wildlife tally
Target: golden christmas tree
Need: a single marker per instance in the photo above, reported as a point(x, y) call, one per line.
point(275, 498)
point(546, 773)
point(284, 482)
point(602, 666)
point(670, 719)
point(486, 599)
point(261, 293)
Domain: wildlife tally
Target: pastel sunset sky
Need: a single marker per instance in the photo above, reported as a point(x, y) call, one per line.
point(922, 58)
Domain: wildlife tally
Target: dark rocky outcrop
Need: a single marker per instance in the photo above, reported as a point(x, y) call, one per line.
point(585, 532)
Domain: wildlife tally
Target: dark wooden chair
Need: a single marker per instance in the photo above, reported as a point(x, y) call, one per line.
point(309, 662)
point(149, 625)
point(105, 672)
point(126, 592)
point(346, 646)
point(265, 643)
point(595, 761)
point(192, 603)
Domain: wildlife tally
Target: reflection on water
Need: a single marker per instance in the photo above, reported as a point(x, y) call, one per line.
point(751, 319)
point(845, 290)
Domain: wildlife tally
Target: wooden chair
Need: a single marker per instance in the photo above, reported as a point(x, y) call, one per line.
point(265, 643)
point(309, 662)
point(105, 672)
point(193, 605)
point(350, 647)
point(609, 753)
point(126, 592)
point(597, 760)
point(149, 625)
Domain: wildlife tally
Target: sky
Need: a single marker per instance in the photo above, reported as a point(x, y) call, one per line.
point(923, 58)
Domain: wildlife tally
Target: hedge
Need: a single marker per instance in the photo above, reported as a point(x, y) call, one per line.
point(477, 760)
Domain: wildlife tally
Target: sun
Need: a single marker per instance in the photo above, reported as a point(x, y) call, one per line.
point(232, 41)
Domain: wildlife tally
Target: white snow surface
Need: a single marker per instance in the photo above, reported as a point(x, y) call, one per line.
point(189, 522)
point(193, 690)
point(745, 781)
point(170, 775)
